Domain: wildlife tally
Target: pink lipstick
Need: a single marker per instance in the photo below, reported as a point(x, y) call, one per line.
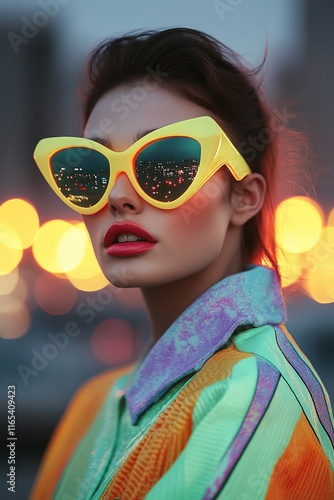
point(124, 239)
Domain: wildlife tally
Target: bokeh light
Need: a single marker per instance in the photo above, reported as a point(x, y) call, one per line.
point(87, 276)
point(14, 317)
point(320, 287)
point(10, 249)
point(45, 247)
point(71, 248)
point(53, 295)
point(298, 224)
point(113, 342)
point(22, 217)
point(8, 282)
point(319, 282)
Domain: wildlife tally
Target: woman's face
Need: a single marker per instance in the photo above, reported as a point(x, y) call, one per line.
point(192, 240)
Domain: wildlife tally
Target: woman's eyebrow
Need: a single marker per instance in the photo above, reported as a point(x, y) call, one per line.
point(140, 134)
point(101, 140)
point(107, 142)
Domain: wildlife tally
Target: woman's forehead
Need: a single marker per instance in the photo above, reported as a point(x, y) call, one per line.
point(128, 112)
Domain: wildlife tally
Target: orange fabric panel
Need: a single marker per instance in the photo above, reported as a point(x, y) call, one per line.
point(156, 452)
point(303, 471)
point(73, 425)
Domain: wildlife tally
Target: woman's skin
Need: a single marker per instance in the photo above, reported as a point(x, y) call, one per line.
point(198, 243)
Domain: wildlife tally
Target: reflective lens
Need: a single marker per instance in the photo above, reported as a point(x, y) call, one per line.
point(81, 175)
point(167, 167)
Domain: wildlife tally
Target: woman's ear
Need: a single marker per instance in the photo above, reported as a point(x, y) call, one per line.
point(247, 198)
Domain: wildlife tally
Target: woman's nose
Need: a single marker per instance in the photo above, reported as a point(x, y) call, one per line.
point(123, 197)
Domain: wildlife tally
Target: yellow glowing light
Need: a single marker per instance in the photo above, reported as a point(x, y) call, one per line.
point(290, 266)
point(87, 276)
point(45, 247)
point(320, 259)
point(10, 249)
point(91, 284)
point(22, 217)
point(319, 287)
point(298, 224)
point(14, 317)
point(320, 268)
point(8, 282)
point(71, 248)
point(88, 266)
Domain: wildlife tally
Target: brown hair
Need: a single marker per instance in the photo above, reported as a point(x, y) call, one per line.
point(199, 68)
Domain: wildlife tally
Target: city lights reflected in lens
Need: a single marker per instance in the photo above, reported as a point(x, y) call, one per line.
point(53, 295)
point(298, 224)
point(45, 247)
point(14, 317)
point(10, 249)
point(113, 342)
point(8, 282)
point(22, 217)
point(290, 266)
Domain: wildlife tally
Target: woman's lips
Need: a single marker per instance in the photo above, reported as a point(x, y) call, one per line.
point(120, 239)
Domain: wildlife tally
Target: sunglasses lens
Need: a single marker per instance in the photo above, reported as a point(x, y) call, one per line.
point(166, 168)
point(81, 175)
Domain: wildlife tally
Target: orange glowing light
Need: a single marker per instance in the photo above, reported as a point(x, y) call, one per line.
point(53, 295)
point(10, 249)
point(298, 224)
point(14, 317)
point(113, 342)
point(22, 217)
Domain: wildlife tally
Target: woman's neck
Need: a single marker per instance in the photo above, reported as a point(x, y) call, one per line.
point(165, 303)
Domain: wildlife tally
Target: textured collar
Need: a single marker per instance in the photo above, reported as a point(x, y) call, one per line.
point(252, 297)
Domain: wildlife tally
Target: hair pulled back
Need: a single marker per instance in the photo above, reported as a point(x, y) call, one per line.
point(202, 70)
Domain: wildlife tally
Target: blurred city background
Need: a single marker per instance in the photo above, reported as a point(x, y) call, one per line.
point(60, 322)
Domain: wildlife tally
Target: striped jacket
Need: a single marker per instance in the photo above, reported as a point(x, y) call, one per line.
point(224, 406)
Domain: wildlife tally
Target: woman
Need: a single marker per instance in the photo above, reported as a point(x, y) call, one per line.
point(178, 169)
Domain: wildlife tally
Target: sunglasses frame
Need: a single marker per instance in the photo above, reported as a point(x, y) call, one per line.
point(216, 150)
